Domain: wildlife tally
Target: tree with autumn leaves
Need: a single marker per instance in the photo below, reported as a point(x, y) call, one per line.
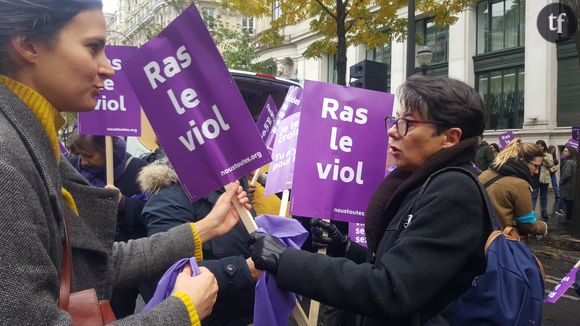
point(344, 23)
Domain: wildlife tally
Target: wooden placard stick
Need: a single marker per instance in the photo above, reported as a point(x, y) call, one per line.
point(109, 160)
point(284, 202)
point(251, 226)
point(315, 305)
point(255, 177)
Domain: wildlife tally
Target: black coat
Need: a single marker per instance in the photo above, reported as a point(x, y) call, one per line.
point(420, 271)
point(225, 256)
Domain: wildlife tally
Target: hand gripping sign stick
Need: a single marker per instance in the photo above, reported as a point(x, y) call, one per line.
point(251, 227)
point(109, 160)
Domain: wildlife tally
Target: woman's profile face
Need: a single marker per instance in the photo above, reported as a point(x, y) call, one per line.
point(413, 150)
point(92, 158)
point(70, 71)
point(566, 152)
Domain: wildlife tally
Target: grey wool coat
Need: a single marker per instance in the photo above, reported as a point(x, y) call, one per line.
point(31, 249)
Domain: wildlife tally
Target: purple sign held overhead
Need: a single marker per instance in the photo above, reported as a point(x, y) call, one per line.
point(572, 143)
point(195, 108)
point(341, 151)
point(505, 138)
point(118, 112)
point(290, 106)
point(576, 133)
point(267, 117)
point(283, 156)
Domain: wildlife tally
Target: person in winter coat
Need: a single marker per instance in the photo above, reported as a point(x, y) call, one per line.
point(484, 156)
point(417, 263)
point(568, 180)
point(226, 257)
point(51, 61)
point(541, 184)
point(508, 184)
point(88, 157)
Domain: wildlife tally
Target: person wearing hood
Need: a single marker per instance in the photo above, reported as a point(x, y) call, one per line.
point(508, 184)
point(227, 257)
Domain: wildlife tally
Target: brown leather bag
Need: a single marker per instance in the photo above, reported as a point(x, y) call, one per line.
point(84, 306)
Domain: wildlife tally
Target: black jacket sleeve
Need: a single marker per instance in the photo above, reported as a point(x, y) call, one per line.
point(446, 233)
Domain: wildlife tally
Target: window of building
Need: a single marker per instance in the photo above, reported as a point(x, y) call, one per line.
point(248, 25)
point(276, 10)
point(382, 54)
point(434, 37)
point(500, 25)
point(331, 74)
point(502, 92)
point(209, 17)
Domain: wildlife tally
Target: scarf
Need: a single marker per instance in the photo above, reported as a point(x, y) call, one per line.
point(386, 200)
point(49, 118)
point(97, 176)
point(514, 168)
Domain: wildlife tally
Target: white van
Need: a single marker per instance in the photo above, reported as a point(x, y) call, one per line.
point(254, 88)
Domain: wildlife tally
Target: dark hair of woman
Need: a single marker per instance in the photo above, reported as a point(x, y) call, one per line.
point(39, 19)
point(445, 100)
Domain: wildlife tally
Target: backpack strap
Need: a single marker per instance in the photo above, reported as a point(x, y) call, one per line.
point(482, 191)
point(492, 180)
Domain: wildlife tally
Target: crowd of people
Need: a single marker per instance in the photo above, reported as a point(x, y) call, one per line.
point(426, 240)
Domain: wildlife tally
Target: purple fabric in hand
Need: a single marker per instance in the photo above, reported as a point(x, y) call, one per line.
point(273, 306)
point(167, 282)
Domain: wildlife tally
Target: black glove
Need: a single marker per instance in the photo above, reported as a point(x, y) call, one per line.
point(336, 242)
point(266, 251)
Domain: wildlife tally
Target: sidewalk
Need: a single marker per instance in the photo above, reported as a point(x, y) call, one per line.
point(559, 244)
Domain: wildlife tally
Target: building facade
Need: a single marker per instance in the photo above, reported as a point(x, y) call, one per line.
point(136, 21)
point(528, 85)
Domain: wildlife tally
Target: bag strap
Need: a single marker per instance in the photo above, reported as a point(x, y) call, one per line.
point(492, 180)
point(482, 191)
point(66, 269)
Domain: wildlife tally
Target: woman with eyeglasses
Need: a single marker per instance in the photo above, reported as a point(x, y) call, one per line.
point(423, 253)
point(508, 183)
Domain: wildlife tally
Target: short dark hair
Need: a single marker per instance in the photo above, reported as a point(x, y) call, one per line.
point(543, 143)
point(446, 100)
point(573, 152)
point(41, 19)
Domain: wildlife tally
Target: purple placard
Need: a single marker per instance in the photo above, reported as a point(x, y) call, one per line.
point(576, 133)
point(118, 112)
point(505, 138)
point(356, 231)
point(267, 117)
point(572, 143)
point(341, 151)
point(290, 106)
point(283, 156)
point(563, 286)
point(195, 108)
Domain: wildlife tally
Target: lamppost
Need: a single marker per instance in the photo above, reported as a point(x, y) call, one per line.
point(125, 37)
point(424, 58)
point(410, 38)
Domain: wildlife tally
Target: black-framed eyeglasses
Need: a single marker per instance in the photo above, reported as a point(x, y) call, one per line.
point(403, 124)
point(537, 166)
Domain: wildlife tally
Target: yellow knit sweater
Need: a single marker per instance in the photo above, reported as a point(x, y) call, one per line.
point(49, 118)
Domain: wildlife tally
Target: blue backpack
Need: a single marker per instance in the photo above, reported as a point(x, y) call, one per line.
point(511, 290)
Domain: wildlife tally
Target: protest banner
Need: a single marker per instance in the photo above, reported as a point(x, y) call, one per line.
point(265, 123)
point(283, 156)
point(505, 138)
point(290, 106)
point(576, 133)
point(564, 285)
point(572, 143)
point(195, 108)
point(341, 151)
point(267, 117)
point(118, 112)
